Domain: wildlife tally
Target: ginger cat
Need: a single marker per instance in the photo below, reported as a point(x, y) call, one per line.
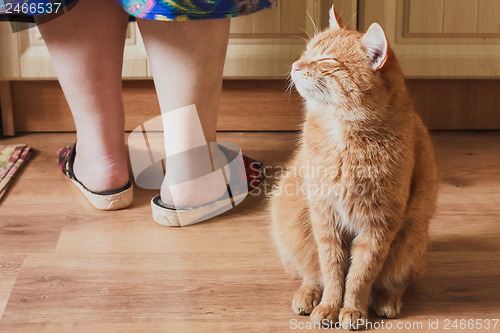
point(350, 216)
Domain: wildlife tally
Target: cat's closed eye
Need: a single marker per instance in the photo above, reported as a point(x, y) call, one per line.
point(325, 59)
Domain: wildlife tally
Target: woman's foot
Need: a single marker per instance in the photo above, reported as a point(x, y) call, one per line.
point(202, 199)
point(99, 170)
point(200, 190)
point(102, 199)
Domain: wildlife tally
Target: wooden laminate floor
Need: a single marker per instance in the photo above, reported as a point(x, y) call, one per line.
point(66, 267)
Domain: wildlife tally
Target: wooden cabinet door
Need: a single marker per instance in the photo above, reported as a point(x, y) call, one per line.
point(26, 56)
point(440, 38)
point(265, 44)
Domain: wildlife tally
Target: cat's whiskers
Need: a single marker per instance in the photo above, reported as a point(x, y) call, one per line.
point(289, 85)
point(301, 37)
point(312, 21)
point(308, 35)
point(353, 15)
point(323, 91)
point(289, 80)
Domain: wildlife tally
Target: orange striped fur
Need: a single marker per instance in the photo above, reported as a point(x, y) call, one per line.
point(350, 216)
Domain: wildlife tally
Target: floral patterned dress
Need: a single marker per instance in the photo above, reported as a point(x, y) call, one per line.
point(164, 10)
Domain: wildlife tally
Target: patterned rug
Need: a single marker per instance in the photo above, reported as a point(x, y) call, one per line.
point(11, 159)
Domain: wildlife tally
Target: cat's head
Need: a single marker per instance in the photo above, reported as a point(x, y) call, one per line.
point(341, 66)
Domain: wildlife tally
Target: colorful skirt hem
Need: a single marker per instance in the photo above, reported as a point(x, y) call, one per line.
point(160, 10)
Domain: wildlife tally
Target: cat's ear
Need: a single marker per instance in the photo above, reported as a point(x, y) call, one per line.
point(376, 45)
point(335, 20)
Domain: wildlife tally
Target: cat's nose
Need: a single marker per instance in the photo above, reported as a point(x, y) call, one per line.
point(297, 66)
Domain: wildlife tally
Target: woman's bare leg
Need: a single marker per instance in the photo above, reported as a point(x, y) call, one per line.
point(187, 61)
point(86, 47)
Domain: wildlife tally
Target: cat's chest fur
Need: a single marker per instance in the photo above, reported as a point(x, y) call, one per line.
point(350, 173)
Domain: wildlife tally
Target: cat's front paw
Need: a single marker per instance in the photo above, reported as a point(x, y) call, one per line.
point(387, 308)
point(305, 300)
point(352, 319)
point(325, 312)
point(387, 304)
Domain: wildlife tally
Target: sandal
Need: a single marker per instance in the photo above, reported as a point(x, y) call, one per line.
point(107, 200)
point(249, 179)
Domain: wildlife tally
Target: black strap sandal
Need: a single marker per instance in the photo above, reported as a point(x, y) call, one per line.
point(108, 200)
